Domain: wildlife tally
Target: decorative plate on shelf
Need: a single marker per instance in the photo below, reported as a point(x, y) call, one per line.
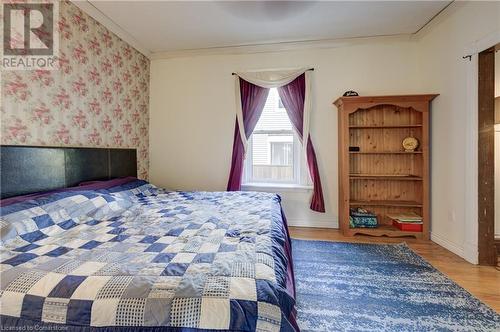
point(410, 144)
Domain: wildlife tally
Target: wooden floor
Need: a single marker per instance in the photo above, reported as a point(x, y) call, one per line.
point(481, 281)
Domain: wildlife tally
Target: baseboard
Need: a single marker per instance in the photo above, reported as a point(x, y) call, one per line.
point(312, 223)
point(445, 243)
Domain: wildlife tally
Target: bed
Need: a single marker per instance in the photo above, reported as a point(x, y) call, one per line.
point(123, 254)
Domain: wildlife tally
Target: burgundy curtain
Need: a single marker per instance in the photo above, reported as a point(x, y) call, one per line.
point(293, 95)
point(253, 99)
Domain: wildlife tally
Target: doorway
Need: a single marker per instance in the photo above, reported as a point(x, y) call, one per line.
point(488, 156)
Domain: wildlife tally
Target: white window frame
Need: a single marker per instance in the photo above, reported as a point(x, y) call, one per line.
point(248, 179)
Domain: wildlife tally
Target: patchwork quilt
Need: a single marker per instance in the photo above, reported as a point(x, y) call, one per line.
point(139, 256)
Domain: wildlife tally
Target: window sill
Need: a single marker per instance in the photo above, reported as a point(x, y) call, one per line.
point(279, 187)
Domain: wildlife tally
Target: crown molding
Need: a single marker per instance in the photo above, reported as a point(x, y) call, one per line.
point(279, 47)
point(272, 47)
point(107, 22)
point(438, 19)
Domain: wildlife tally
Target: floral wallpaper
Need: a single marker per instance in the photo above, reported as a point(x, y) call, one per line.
point(98, 96)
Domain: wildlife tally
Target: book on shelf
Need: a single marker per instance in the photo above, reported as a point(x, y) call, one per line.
point(408, 217)
point(408, 222)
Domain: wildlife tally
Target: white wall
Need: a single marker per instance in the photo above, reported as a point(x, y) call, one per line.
point(192, 112)
point(441, 46)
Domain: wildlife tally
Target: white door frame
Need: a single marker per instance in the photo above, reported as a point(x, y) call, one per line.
point(471, 146)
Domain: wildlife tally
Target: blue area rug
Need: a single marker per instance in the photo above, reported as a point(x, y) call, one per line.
point(372, 287)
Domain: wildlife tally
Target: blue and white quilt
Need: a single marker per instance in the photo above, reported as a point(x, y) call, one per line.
point(140, 256)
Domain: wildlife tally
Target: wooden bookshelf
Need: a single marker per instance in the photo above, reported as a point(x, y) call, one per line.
point(382, 177)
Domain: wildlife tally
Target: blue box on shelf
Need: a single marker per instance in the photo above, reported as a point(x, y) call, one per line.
point(359, 217)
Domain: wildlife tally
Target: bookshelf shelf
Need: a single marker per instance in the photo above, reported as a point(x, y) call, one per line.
point(386, 152)
point(384, 230)
point(385, 126)
point(386, 203)
point(395, 177)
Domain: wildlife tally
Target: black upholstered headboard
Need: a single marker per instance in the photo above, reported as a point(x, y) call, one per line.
point(30, 169)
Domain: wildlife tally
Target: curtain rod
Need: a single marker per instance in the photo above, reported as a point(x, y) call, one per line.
point(312, 69)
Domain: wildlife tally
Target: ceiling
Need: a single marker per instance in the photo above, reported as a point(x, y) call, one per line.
point(165, 26)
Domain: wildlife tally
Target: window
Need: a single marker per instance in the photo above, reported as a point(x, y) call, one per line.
point(274, 154)
point(282, 153)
